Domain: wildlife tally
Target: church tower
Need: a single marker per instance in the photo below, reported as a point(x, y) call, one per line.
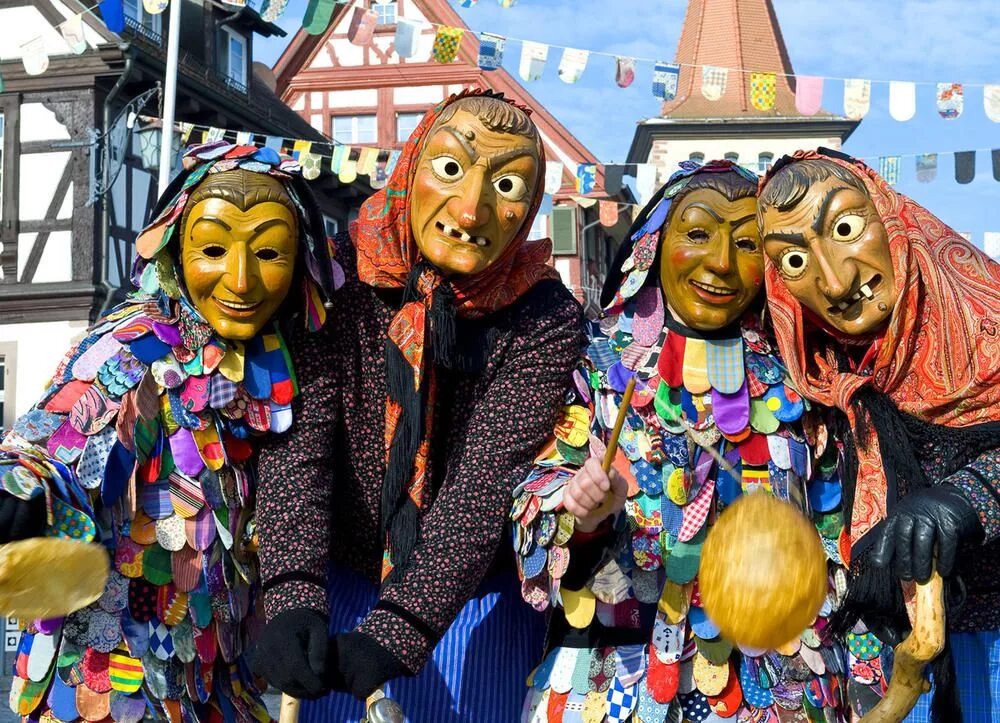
point(743, 36)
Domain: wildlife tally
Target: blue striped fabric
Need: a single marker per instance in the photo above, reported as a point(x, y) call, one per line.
point(478, 670)
point(977, 668)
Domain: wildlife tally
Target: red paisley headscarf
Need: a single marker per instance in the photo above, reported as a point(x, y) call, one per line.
point(938, 359)
point(387, 256)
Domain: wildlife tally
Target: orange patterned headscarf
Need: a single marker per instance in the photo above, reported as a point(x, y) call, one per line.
point(388, 257)
point(937, 360)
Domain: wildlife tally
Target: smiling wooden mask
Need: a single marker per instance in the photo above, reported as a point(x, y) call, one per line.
point(238, 250)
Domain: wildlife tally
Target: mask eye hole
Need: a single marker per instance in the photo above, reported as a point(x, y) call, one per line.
point(214, 251)
point(698, 235)
point(512, 188)
point(848, 227)
point(746, 244)
point(793, 263)
point(266, 254)
point(447, 168)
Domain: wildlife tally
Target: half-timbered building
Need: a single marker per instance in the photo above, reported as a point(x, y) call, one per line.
point(78, 170)
point(366, 94)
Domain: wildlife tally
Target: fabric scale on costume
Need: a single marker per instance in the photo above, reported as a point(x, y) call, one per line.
point(140, 444)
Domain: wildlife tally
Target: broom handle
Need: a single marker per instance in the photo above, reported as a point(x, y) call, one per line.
point(289, 712)
point(612, 450)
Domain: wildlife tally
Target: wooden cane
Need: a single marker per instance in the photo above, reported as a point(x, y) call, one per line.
point(289, 712)
point(924, 643)
point(612, 450)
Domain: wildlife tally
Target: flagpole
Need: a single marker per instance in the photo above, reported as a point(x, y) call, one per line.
point(170, 94)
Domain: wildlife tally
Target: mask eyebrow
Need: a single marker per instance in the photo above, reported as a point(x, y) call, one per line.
point(707, 208)
point(741, 221)
point(792, 238)
point(270, 223)
point(824, 207)
point(215, 220)
point(501, 158)
point(460, 137)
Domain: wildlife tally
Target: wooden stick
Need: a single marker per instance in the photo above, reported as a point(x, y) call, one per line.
point(289, 712)
point(924, 643)
point(612, 450)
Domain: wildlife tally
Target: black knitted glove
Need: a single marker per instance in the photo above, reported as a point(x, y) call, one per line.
point(293, 653)
point(20, 519)
point(939, 515)
point(363, 665)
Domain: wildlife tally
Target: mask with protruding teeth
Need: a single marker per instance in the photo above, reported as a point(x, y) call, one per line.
point(865, 291)
point(462, 235)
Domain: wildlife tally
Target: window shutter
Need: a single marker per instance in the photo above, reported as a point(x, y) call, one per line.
point(563, 230)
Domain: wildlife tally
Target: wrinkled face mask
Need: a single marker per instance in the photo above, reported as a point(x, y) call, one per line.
point(238, 266)
point(472, 192)
point(711, 264)
point(832, 252)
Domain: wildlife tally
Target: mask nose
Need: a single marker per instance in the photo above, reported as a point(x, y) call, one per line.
point(471, 210)
point(836, 277)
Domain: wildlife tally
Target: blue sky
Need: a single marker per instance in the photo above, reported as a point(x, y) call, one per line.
point(927, 41)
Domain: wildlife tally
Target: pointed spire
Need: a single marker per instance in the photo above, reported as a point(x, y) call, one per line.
point(742, 35)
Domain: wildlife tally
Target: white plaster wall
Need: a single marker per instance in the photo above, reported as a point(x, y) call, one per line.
point(348, 54)
point(352, 98)
point(22, 24)
point(563, 265)
point(40, 348)
point(668, 153)
point(39, 176)
point(417, 95)
point(38, 123)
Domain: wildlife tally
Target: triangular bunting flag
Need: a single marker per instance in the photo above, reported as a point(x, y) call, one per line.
point(613, 173)
point(607, 213)
point(949, 100)
point(72, 32)
point(244, 138)
point(533, 56)
point(665, 76)
point(888, 168)
point(572, 65)
point(215, 134)
point(965, 166)
point(468, 3)
point(808, 94)
point(113, 14)
point(713, 81)
point(902, 100)
point(491, 51)
point(273, 9)
point(857, 97)
point(34, 57)
point(553, 176)
point(507, 3)
point(155, 7)
point(317, 16)
point(991, 102)
point(995, 153)
point(586, 177)
point(763, 90)
point(927, 167)
point(407, 37)
point(362, 27)
point(645, 181)
point(446, 43)
point(624, 71)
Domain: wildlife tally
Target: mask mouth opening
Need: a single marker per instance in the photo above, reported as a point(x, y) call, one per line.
point(851, 306)
point(461, 235)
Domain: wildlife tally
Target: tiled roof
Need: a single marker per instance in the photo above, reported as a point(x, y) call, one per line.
point(742, 35)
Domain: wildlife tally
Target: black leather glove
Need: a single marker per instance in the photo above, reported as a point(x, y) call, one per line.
point(939, 515)
point(20, 519)
point(294, 652)
point(363, 665)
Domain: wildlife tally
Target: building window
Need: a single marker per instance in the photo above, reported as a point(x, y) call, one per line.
point(764, 161)
point(386, 11)
point(732, 157)
point(234, 58)
point(347, 129)
point(406, 123)
point(139, 20)
point(697, 157)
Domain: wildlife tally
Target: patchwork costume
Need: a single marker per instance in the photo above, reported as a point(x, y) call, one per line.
point(922, 406)
point(714, 416)
point(462, 378)
point(143, 443)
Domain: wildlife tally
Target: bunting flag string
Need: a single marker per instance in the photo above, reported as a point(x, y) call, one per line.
point(349, 161)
